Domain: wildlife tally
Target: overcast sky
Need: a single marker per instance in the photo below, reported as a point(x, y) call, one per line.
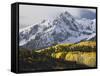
point(32, 14)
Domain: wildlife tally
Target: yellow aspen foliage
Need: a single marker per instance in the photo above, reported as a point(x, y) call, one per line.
point(58, 55)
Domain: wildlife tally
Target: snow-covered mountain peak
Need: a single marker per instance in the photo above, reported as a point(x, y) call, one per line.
point(62, 29)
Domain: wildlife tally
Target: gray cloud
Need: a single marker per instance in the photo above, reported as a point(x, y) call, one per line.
point(88, 14)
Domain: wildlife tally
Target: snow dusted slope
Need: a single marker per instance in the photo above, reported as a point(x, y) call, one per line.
point(87, 25)
point(63, 29)
point(30, 32)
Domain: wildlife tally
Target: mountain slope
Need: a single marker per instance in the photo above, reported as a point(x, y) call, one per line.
point(63, 29)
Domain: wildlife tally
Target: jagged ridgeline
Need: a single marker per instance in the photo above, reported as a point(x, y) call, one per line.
point(60, 56)
point(62, 29)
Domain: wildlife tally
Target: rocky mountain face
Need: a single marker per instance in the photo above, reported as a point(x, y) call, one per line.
point(63, 29)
